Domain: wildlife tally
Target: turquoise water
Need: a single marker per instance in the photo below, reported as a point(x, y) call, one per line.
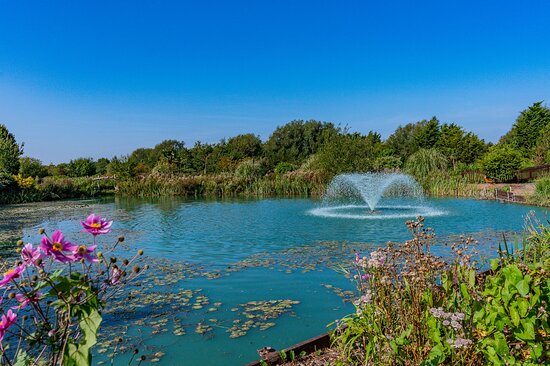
point(240, 251)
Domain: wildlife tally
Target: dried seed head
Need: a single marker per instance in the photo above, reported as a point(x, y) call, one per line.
point(113, 259)
point(121, 238)
point(140, 252)
point(20, 242)
point(125, 262)
point(41, 231)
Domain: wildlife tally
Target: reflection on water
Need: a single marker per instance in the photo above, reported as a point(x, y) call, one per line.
point(229, 277)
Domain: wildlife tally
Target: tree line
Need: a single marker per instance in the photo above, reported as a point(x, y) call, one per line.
point(420, 148)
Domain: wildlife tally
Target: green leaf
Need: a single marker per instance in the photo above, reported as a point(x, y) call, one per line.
point(523, 287)
point(23, 359)
point(89, 321)
point(494, 264)
point(514, 316)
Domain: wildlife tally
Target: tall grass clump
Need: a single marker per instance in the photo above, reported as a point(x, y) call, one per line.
point(542, 192)
point(414, 308)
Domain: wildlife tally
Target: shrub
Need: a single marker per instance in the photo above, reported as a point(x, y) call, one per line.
point(425, 162)
point(414, 309)
point(501, 163)
point(283, 168)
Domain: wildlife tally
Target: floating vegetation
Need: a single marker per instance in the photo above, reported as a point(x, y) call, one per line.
point(255, 314)
point(346, 295)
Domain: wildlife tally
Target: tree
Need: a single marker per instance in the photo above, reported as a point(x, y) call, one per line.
point(501, 162)
point(297, 140)
point(10, 152)
point(101, 165)
point(81, 167)
point(459, 146)
point(405, 140)
point(428, 135)
point(345, 153)
point(203, 158)
point(542, 149)
point(526, 131)
point(244, 146)
point(426, 162)
point(30, 167)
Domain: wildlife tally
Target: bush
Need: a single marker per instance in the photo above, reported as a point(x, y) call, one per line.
point(414, 309)
point(283, 168)
point(30, 167)
point(425, 162)
point(501, 163)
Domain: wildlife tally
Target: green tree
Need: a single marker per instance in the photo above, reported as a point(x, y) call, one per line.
point(244, 146)
point(31, 167)
point(345, 153)
point(297, 140)
point(101, 166)
point(526, 131)
point(426, 162)
point(121, 167)
point(501, 162)
point(81, 167)
point(428, 135)
point(406, 139)
point(10, 152)
point(203, 157)
point(459, 146)
point(542, 149)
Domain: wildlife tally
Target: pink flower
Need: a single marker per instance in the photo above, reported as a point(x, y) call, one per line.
point(86, 253)
point(12, 274)
point(57, 247)
point(30, 255)
point(96, 225)
point(24, 300)
point(7, 321)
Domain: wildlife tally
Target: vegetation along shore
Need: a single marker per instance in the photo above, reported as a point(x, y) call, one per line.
point(298, 159)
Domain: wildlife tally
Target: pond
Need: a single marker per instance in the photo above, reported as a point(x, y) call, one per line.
point(229, 277)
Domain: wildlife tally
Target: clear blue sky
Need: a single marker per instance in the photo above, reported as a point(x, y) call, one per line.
point(100, 78)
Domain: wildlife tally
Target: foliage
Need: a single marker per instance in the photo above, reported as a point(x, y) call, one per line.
point(501, 163)
point(414, 309)
point(295, 141)
point(349, 153)
point(243, 146)
point(10, 152)
point(30, 167)
point(427, 136)
point(426, 162)
point(402, 141)
point(459, 146)
point(101, 166)
point(251, 169)
point(384, 163)
point(81, 167)
point(527, 129)
point(51, 311)
point(283, 168)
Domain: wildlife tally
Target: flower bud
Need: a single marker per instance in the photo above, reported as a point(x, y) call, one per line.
point(136, 269)
point(113, 259)
point(146, 267)
point(121, 238)
point(34, 278)
point(20, 242)
point(41, 272)
point(82, 260)
point(140, 252)
point(41, 231)
point(11, 295)
point(143, 358)
point(25, 317)
point(38, 262)
point(136, 351)
point(101, 273)
point(18, 250)
point(99, 254)
point(119, 339)
point(19, 263)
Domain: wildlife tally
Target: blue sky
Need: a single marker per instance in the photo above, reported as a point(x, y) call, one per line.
point(100, 78)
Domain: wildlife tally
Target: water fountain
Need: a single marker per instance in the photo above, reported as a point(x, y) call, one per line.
point(358, 196)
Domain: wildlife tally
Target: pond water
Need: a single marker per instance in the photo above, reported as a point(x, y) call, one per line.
point(229, 277)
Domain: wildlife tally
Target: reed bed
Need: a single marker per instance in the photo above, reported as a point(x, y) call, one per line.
point(291, 184)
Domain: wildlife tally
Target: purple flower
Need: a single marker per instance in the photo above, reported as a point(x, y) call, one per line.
point(12, 274)
point(86, 253)
point(7, 321)
point(30, 255)
point(24, 300)
point(95, 225)
point(57, 247)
